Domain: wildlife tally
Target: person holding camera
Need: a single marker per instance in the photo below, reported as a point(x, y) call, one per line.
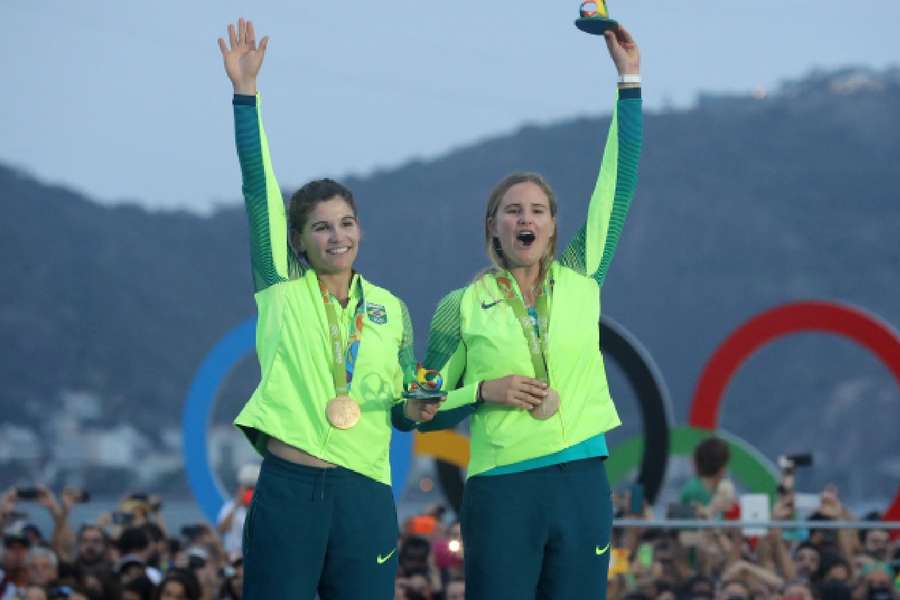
point(230, 523)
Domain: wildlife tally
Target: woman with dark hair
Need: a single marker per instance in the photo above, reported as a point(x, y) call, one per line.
point(178, 584)
point(334, 352)
point(521, 346)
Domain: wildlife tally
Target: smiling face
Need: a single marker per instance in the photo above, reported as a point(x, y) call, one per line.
point(522, 224)
point(330, 236)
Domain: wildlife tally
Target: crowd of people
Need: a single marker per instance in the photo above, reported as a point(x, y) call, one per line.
point(131, 555)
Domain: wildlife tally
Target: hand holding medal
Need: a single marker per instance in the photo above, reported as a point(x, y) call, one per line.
point(536, 336)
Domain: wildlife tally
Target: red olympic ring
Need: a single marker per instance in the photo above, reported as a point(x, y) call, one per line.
point(828, 317)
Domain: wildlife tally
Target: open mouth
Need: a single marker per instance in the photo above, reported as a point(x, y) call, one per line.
point(338, 251)
point(526, 237)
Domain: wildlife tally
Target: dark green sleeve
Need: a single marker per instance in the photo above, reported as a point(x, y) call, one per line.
point(407, 354)
point(271, 259)
point(446, 353)
point(593, 248)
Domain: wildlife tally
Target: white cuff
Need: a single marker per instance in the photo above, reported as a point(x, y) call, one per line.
point(629, 78)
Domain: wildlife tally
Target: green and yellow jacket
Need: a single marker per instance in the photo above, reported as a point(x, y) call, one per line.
point(292, 340)
point(475, 335)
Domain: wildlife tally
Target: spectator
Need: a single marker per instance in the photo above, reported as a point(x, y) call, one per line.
point(66, 592)
point(875, 542)
point(14, 571)
point(796, 590)
point(807, 560)
point(233, 575)
point(92, 551)
point(413, 557)
point(135, 547)
point(664, 590)
point(43, 567)
point(711, 458)
point(415, 586)
point(35, 592)
point(699, 587)
point(456, 589)
point(158, 557)
point(205, 570)
point(733, 590)
point(877, 582)
point(834, 568)
point(139, 588)
point(448, 551)
point(835, 590)
point(230, 523)
point(179, 584)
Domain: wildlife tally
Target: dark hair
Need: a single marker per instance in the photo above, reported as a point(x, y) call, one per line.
point(90, 526)
point(186, 578)
point(810, 545)
point(834, 590)
point(133, 539)
point(142, 586)
point(870, 516)
point(710, 456)
point(313, 193)
point(154, 531)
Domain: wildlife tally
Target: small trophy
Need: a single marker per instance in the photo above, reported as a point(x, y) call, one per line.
point(426, 387)
point(595, 18)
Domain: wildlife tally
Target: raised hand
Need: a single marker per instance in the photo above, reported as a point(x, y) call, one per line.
point(242, 56)
point(624, 51)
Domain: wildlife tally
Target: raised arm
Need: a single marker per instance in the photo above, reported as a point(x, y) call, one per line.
point(270, 256)
point(592, 249)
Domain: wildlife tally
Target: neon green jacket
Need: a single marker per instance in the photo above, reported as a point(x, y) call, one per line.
point(292, 334)
point(475, 335)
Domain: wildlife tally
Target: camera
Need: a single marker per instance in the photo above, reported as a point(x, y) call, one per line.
point(80, 496)
point(192, 532)
point(788, 462)
point(28, 493)
point(59, 592)
point(122, 518)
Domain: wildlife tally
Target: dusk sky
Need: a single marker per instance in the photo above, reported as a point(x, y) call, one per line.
point(129, 101)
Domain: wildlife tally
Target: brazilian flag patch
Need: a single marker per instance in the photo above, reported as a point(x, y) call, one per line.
point(377, 313)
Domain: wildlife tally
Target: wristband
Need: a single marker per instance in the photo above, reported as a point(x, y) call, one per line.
point(629, 78)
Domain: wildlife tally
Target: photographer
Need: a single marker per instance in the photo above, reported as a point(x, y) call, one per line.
point(13, 567)
point(709, 483)
point(43, 566)
point(230, 523)
point(63, 539)
point(92, 551)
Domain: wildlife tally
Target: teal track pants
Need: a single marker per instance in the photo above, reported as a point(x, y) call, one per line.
point(310, 530)
point(543, 533)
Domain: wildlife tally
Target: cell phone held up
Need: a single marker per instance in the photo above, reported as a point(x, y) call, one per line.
point(28, 493)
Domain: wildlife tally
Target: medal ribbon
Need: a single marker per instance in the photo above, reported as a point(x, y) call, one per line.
point(536, 347)
point(343, 359)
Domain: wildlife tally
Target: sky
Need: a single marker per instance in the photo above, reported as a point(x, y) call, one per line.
point(128, 101)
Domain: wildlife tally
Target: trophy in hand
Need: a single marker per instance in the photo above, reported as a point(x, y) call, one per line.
point(595, 18)
point(426, 387)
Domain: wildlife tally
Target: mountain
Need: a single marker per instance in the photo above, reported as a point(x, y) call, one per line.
point(744, 202)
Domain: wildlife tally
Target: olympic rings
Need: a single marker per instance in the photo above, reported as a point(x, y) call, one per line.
point(451, 448)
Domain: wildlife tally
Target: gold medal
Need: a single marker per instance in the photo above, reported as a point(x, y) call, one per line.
point(547, 408)
point(342, 412)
